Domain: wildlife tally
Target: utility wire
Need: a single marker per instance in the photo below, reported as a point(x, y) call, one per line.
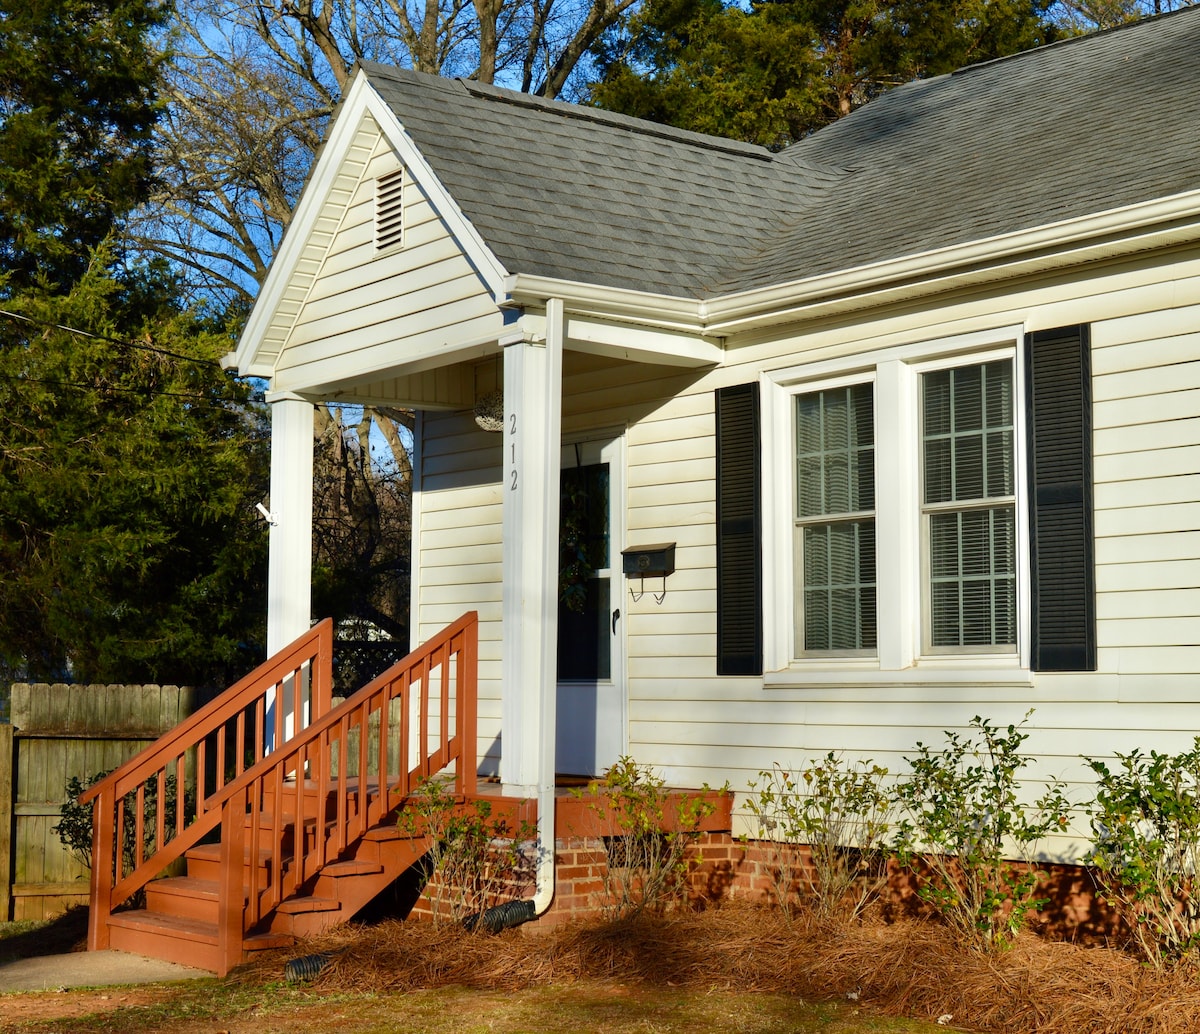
point(217, 401)
point(122, 342)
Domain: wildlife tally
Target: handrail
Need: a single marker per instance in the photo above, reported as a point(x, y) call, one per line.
point(367, 754)
point(214, 743)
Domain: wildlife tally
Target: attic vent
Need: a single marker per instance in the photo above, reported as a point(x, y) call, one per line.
point(389, 210)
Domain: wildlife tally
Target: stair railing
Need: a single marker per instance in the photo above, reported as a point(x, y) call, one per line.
point(193, 763)
point(346, 774)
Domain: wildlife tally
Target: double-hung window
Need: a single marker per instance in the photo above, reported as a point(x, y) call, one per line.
point(834, 543)
point(969, 507)
point(905, 507)
point(928, 505)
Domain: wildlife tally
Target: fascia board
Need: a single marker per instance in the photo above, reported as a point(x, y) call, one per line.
point(295, 238)
point(1106, 234)
point(583, 299)
point(360, 101)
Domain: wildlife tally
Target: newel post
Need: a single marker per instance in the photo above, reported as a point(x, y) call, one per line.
point(231, 901)
point(103, 842)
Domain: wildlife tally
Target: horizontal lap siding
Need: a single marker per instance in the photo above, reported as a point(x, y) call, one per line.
point(1146, 374)
point(365, 310)
point(459, 549)
point(695, 727)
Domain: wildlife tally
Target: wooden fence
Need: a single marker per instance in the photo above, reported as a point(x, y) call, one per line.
point(56, 732)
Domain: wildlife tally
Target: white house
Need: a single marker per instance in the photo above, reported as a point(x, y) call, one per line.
point(910, 411)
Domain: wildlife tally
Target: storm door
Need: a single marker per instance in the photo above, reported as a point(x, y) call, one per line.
point(591, 661)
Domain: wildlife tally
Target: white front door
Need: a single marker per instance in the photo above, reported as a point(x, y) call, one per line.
point(591, 654)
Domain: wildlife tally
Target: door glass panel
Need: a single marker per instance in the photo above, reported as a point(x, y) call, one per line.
point(583, 563)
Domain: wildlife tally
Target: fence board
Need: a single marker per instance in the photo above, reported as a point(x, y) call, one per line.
point(56, 732)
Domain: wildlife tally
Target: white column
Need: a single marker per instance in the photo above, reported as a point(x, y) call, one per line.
point(532, 436)
point(289, 571)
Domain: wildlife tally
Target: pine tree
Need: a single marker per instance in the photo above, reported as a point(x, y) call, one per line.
point(129, 462)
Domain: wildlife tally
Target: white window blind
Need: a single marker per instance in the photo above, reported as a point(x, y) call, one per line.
point(835, 519)
point(969, 495)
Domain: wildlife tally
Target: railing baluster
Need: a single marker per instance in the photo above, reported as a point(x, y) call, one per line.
point(239, 803)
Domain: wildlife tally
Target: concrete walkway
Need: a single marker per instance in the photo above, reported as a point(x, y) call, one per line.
point(89, 969)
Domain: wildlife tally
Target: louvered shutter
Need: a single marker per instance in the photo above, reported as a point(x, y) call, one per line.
point(739, 528)
point(1062, 551)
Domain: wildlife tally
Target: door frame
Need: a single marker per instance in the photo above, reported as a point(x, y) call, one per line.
point(606, 445)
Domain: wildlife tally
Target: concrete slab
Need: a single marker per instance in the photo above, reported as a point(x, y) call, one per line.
point(89, 969)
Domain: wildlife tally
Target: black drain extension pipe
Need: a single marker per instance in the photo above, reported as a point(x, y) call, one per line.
point(502, 917)
point(307, 967)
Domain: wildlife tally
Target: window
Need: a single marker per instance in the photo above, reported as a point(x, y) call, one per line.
point(969, 506)
point(925, 512)
point(835, 522)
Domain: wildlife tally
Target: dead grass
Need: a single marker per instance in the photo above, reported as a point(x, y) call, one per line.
point(912, 969)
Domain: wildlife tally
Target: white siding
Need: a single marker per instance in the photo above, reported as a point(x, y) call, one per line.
point(457, 550)
point(365, 311)
point(697, 727)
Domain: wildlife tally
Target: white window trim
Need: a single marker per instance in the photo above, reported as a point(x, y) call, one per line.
point(898, 525)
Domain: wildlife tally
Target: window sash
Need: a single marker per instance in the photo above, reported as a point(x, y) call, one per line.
point(969, 507)
point(834, 543)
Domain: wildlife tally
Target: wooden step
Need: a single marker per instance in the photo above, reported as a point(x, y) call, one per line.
point(184, 896)
point(299, 905)
point(204, 862)
point(189, 942)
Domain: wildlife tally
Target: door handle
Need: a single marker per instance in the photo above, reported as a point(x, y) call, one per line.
point(616, 615)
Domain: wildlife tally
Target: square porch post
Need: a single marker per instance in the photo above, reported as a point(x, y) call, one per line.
point(532, 437)
point(289, 564)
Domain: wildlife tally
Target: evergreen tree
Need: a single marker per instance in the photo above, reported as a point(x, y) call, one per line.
point(783, 68)
point(129, 462)
point(78, 89)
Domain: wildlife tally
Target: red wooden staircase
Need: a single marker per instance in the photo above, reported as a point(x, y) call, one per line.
point(291, 827)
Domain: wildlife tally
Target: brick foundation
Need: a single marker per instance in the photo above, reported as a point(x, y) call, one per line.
point(723, 868)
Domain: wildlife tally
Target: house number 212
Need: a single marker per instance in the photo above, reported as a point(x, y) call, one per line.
point(512, 439)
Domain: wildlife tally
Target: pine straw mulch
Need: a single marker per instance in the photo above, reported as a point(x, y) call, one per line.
point(913, 968)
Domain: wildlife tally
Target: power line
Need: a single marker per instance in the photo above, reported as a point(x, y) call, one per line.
point(217, 402)
point(122, 342)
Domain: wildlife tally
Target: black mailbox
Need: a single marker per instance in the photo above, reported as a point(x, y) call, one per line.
point(655, 561)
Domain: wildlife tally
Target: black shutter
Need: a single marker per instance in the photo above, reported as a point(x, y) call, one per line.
point(739, 532)
point(1061, 540)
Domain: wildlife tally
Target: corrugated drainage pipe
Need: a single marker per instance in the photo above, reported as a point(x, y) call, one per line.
point(514, 913)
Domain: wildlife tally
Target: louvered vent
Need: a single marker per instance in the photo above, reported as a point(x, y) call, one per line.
point(389, 210)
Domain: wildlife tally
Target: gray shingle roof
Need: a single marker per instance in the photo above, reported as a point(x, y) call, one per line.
point(1079, 127)
point(1075, 128)
point(579, 194)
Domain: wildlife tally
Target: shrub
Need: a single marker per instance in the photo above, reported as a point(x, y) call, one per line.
point(475, 860)
point(841, 810)
point(74, 829)
point(1146, 848)
point(961, 819)
point(645, 859)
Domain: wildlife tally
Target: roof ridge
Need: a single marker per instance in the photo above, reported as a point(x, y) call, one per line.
point(1068, 40)
point(565, 109)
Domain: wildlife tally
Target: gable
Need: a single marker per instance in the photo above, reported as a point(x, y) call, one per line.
point(345, 314)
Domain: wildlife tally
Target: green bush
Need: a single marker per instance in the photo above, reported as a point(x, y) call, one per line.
point(841, 810)
point(74, 829)
point(961, 818)
point(646, 866)
point(479, 860)
point(1146, 848)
